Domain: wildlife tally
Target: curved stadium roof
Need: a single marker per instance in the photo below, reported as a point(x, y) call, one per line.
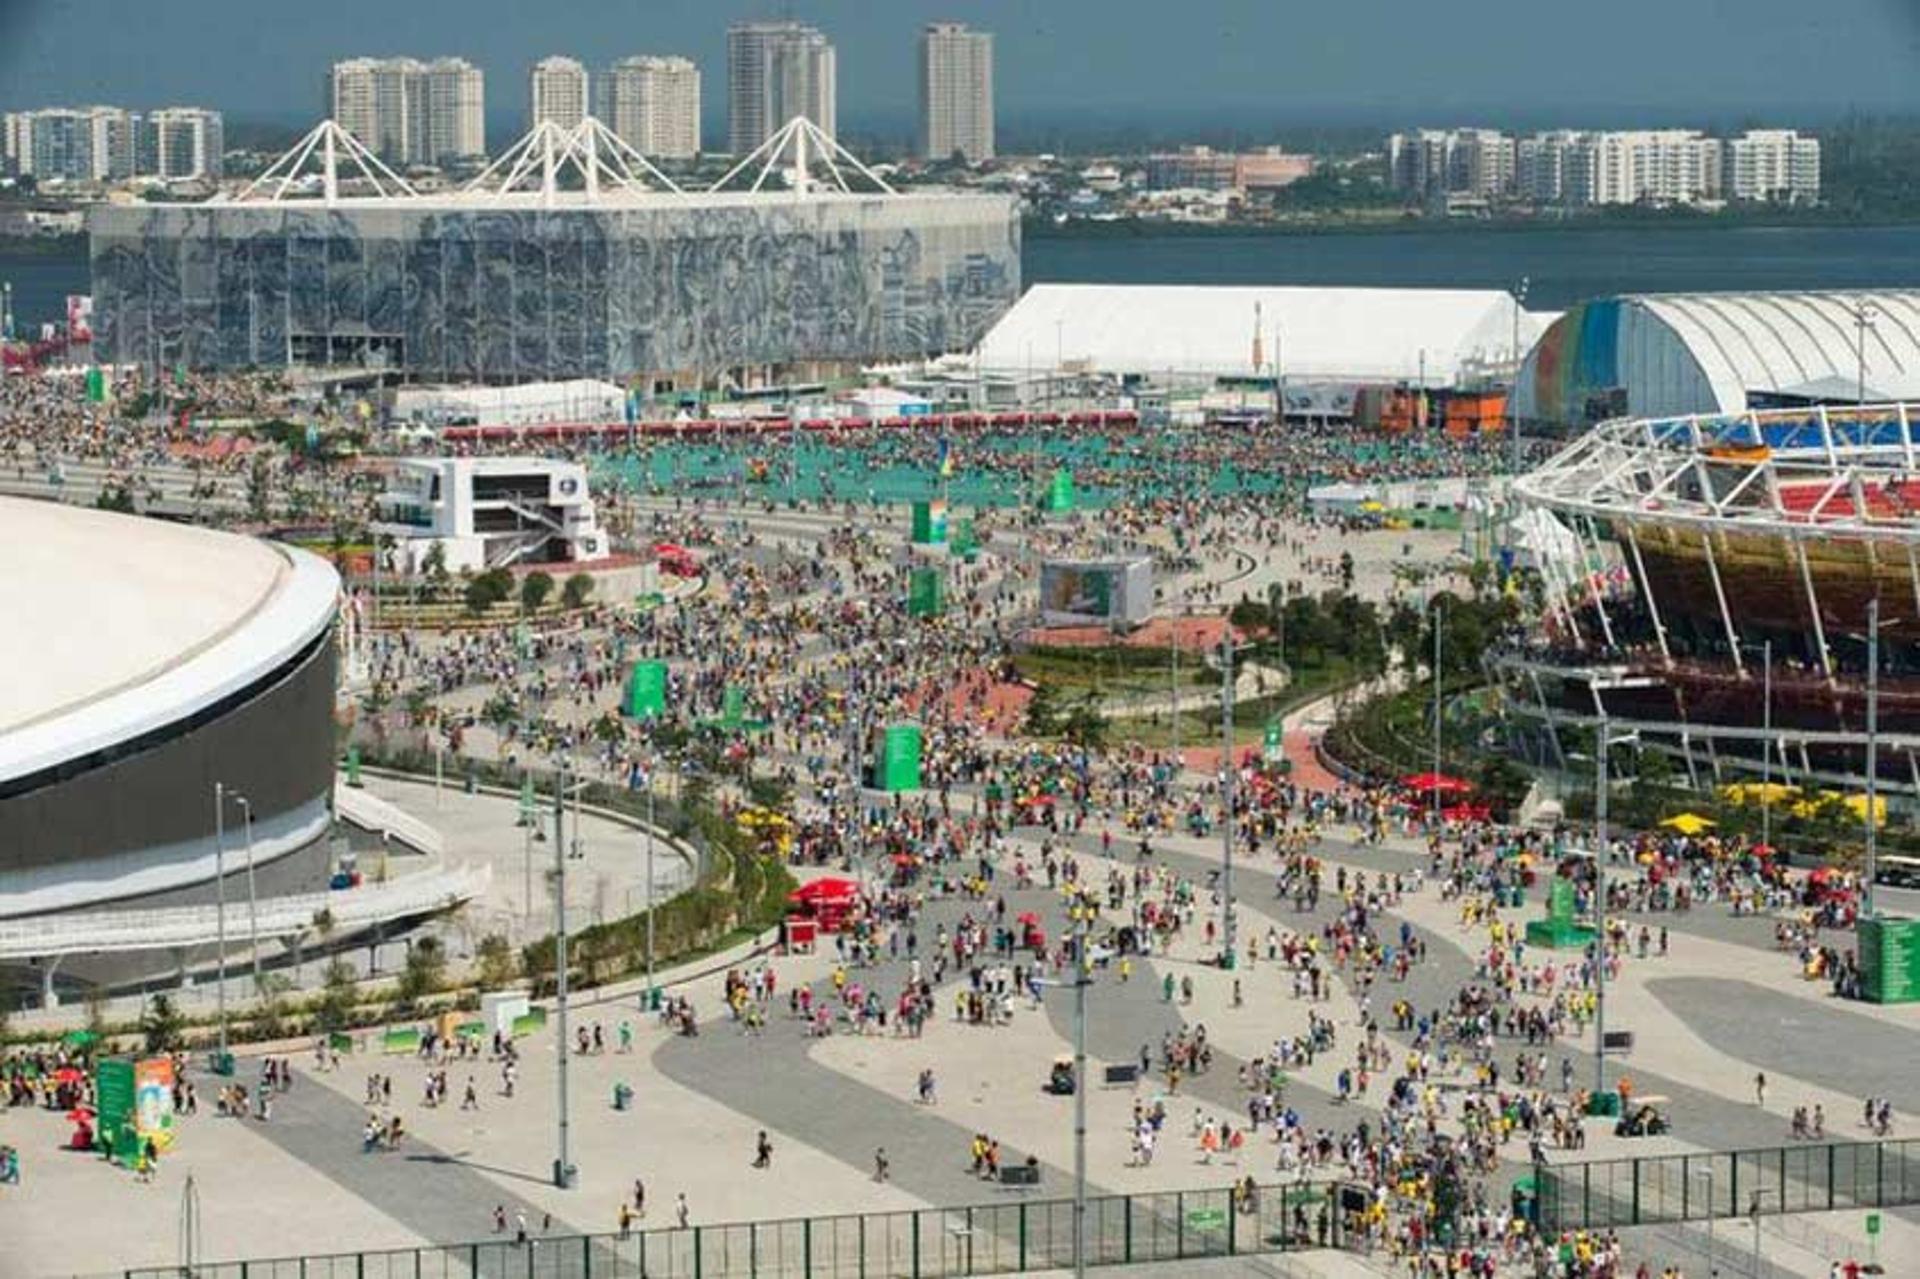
point(1800, 344)
point(1681, 353)
point(125, 625)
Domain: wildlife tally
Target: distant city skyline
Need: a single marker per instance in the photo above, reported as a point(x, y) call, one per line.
point(1098, 65)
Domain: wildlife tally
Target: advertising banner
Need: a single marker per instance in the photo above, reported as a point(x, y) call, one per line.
point(926, 593)
point(647, 690)
point(900, 758)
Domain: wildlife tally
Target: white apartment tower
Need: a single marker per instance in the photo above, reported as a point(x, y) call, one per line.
point(956, 92)
point(409, 111)
point(653, 105)
point(557, 91)
point(77, 144)
point(775, 71)
point(1773, 164)
point(182, 142)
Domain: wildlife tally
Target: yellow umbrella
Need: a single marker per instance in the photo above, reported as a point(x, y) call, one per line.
point(1688, 823)
point(1857, 805)
point(1767, 793)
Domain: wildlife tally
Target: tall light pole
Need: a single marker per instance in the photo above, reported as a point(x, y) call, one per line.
point(1766, 744)
point(1226, 796)
point(1873, 752)
point(562, 1166)
point(650, 987)
point(220, 896)
point(1513, 393)
point(1434, 802)
point(1601, 785)
point(253, 899)
point(1082, 978)
point(1863, 315)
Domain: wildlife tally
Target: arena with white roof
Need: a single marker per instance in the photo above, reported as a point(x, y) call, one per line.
point(150, 662)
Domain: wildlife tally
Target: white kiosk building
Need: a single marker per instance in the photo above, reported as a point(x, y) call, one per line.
point(490, 512)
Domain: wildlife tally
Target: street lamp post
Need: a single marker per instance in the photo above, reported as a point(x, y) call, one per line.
point(1082, 978)
point(563, 1172)
point(1438, 614)
point(650, 987)
point(1513, 394)
point(1863, 315)
point(1873, 753)
point(1766, 744)
point(1226, 797)
point(220, 897)
point(1601, 785)
point(253, 898)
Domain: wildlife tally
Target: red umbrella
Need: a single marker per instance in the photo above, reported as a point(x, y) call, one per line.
point(81, 1114)
point(1028, 918)
point(1437, 782)
point(68, 1075)
point(827, 888)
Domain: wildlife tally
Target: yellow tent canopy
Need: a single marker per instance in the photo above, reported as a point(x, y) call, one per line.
point(1766, 793)
point(1688, 823)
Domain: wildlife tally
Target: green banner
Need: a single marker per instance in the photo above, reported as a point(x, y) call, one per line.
point(1272, 743)
point(96, 384)
point(1890, 959)
point(926, 593)
point(113, 1096)
point(930, 523)
point(1060, 496)
point(647, 690)
point(900, 758)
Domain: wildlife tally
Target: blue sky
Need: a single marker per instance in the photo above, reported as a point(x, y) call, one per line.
point(1250, 63)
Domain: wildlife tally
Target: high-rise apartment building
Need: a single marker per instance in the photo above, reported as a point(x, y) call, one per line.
point(956, 92)
point(557, 91)
point(83, 144)
point(181, 142)
point(409, 111)
point(1585, 168)
point(1773, 164)
point(653, 105)
point(775, 71)
point(1435, 162)
point(456, 124)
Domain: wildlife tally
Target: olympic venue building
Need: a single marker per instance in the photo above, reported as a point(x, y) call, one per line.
point(625, 277)
point(1709, 581)
point(1664, 355)
point(149, 663)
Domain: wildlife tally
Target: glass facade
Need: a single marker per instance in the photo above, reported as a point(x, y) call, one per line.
point(457, 290)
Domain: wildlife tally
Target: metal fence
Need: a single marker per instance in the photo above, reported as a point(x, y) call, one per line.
point(1780, 1179)
point(1037, 1234)
point(999, 1238)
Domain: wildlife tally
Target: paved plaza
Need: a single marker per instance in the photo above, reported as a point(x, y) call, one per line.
point(1716, 1005)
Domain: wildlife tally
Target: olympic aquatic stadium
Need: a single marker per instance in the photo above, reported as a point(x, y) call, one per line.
point(570, 257)
point(148, 662)
point(1708, 582)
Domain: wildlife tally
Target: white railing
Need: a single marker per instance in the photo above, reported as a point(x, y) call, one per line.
point(174, 927)
point(370, 812)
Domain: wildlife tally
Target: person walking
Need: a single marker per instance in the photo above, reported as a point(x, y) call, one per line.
point(762, 1151)
point(680, 1211)
point(882, 1169)
point(1760, 1089)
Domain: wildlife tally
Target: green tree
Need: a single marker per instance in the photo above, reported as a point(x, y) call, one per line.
point(1085, 725)
point(161, 1025)
point(535, 588)
point(577, 591)
point(433, 565)
point(336, 996)
point(479, 596)
point(498, 965)
point(425, 971)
